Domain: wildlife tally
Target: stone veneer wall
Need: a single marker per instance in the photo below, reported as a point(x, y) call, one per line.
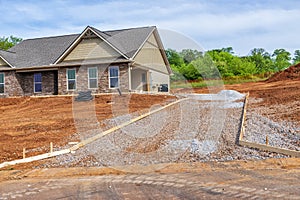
point(82, 79)
point(21, 84)
point(12, 85)
point(27, 83)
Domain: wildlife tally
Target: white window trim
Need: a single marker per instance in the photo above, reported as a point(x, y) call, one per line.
point(114, 77)
point(3, 83)
point(37, 82)
point(71, 79)
point(92, 78)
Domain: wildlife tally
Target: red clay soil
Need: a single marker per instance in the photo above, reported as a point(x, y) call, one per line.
point(282, 98)
point(33, 123)
point(291, 73)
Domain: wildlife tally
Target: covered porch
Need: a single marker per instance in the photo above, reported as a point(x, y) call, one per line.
point(139, 79)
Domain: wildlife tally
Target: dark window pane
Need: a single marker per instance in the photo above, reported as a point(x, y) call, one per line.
point(37, 87)
point(71, 74)
point(71, 85)
point(37, 77)
point(114, 82)
point(93, 83)
point(92, 72)
point(113, 71)
point(1, 78)
point(2, 88)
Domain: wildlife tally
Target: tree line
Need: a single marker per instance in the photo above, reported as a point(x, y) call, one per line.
point(191, 64)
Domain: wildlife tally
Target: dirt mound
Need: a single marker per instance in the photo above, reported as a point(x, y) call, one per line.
point(291, 73)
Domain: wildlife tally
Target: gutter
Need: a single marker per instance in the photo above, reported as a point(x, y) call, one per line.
point(57, 66)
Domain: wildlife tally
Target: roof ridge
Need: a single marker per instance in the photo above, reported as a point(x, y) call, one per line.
point(129, 28)
point(49, 37)
point(104, 32)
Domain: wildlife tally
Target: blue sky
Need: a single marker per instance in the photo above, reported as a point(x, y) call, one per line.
point(244, 25)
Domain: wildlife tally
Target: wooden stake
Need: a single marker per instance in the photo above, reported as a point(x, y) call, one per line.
point(24, 152)
point(51, 147)
point(267, 140)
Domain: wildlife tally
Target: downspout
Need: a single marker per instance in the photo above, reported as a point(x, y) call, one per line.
point(129, 77)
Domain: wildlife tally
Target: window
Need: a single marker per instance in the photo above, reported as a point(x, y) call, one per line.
point(114, 77)
point(71, 78)
point(37, 82)
point(1, 83)
point(93, 77)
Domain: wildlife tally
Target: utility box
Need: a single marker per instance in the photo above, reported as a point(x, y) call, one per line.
point(163, 88)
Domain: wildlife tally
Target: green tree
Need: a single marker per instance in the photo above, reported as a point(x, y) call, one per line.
point(174, 58)
point(262, 60)
point(177, 64)
point(228, 50)
point(8, 42)
point(206, 67)
point(223, 60)
point(189, 55)
point(281, 59)
point(296, 58)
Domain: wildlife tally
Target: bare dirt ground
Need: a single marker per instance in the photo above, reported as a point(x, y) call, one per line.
point(33, 123)
point(276, 100)
point(281, 97)
point(261, 179)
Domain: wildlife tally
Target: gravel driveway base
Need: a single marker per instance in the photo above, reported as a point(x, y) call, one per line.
point(191, 131)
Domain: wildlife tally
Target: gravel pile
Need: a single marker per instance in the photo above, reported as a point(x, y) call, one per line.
point(223, 95)
point(193, 130)
point(283, 135)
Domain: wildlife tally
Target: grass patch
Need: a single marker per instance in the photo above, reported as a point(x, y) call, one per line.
point(207, 83)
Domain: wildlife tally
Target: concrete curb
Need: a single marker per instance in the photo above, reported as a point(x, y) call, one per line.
point(87, 141)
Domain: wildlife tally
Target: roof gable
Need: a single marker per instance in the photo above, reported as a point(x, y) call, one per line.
point(128, 41)
point(99, 44)
point(91, 47)
point(152, 55)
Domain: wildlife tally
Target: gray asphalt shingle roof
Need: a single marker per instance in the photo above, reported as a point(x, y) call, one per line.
point(128, 41)
point(45, 51)
point(40, 51)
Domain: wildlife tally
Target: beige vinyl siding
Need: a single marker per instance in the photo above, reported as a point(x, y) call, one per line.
point(151, 57)
point(93, 48)
point(156, 79)
point(3, 63)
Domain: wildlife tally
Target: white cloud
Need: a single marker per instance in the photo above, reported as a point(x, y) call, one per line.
point(213, 23)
